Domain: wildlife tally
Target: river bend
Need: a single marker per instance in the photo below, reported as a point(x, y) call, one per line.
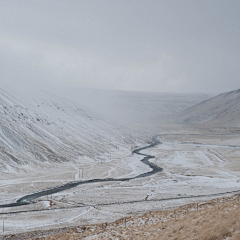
point(28, 199)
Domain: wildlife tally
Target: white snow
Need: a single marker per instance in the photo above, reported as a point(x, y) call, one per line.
point(49, 137)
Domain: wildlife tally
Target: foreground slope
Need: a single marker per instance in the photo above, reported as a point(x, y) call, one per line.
point(212, 220)
point(222, 110)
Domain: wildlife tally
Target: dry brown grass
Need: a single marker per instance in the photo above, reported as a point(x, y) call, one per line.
point(214, 220)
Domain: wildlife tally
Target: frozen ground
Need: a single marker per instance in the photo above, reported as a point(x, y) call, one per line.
point(196, 167)
point(49, 138)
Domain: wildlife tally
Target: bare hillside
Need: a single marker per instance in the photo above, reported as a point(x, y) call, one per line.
point(213, 220)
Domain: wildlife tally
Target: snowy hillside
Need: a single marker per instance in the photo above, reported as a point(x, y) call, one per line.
point(60, 125)
point(223, 109)
point(50, 129)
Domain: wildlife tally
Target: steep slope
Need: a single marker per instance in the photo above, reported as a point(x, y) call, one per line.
point(222, 110)
point(51, 130)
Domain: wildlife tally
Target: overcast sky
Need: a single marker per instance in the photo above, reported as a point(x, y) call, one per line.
point(136, 45)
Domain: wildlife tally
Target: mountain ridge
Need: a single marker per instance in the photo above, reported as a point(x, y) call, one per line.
point(223, 109)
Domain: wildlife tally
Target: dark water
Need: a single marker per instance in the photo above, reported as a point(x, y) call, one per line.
point(155, 169)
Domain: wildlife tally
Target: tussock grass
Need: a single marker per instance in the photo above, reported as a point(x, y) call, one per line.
point(214, 220)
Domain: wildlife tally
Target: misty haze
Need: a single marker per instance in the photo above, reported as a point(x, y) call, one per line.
point(119, 119)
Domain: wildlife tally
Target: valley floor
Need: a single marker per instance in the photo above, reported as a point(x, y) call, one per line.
point(198, 166)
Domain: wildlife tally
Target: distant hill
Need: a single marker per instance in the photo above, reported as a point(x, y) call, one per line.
point(224, 110)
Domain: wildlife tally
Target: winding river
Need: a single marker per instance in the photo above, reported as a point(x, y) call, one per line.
point(155, 169)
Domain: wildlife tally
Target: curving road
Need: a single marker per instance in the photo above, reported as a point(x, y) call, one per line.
point(155, 169)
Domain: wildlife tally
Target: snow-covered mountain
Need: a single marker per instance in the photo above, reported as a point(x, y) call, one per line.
point(40, 126)
point(224, 110)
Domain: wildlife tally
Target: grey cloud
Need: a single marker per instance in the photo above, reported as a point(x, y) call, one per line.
point(174, 46)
